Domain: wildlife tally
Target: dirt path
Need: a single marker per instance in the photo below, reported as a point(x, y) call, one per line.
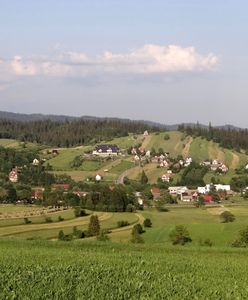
point(146, 141)
point(235, 161)
point(185, 152)
point(121, 177)
point(129, 227)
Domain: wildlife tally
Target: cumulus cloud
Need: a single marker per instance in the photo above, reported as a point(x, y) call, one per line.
point(160, 59)
point(20, 67)
point(149, 59)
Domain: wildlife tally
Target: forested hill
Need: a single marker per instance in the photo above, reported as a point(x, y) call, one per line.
point(70, 133)
point(228, 137)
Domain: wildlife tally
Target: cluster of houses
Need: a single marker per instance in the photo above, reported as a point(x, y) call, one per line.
point(14, 173)
point(191, 195)
point(215, 165)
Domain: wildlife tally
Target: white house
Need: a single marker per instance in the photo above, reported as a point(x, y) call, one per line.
point(35, 162)
point(202, 190)
point(13, 175)
point(177, 190)
point(166, 177)
point(219, 187)
point(106, 150)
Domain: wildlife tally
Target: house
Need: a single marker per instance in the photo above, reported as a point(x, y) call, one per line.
point(155, 192)
point(62, 186)
point(208, 198)
point(177, 190)
point(35, 162)
point(166, 177)
point(188, 161)
point(53, 151)
point(134, 151)
point(106, 150)
point(98, 178)
point(140, 200)
point(164, 163)
point(223, 168)
point(222, 187)
point(145, 133)
point(148, 153)
point(155, 159)
point(136, 158)
point(141, 150)
point(13, 175)
point(189, 196)
point(201, 190)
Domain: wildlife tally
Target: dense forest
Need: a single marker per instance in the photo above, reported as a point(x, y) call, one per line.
point(231, 138)
point(70, 133)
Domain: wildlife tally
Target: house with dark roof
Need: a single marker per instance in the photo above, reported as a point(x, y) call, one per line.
point(106, 150)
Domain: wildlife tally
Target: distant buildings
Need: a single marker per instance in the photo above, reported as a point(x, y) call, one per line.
point(13, 175)
point(106, 150)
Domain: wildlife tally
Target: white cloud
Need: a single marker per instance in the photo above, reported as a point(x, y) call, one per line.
point(20, 67)
point(161, 59)
point(149, 59)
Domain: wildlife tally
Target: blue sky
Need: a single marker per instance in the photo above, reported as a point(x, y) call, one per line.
point(169, 61)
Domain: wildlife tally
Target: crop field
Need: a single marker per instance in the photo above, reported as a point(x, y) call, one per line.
point(98, 270)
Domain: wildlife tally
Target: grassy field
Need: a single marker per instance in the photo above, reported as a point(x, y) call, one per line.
point(95, 270)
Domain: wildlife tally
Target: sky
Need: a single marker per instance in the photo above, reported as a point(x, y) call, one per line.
point(169, 61)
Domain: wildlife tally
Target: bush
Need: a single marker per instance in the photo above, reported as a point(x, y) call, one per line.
point(77, 233)
point(48, 220)
point(135, 235)
point(138, 228)
point(147, 223)
point(227, 217)
point(130, 208)
point(60, 219)
point(27, 221)
point(79, 212)
point(180, 235)
point(122, 223)
point(61, 235)
point(102, 236)
point(206, 243)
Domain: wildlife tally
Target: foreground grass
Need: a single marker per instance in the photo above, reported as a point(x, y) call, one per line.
point(94, 270)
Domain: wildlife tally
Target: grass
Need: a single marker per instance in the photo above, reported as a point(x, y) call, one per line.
point(95, 270)
point(174, 145)
point(122, 166)
point(66, 214)
point(37, 230)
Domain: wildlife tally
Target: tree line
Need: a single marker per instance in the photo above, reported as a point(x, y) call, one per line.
point(231, 138)
point(70, 133)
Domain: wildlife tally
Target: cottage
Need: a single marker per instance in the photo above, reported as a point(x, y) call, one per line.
point(166, 177)
point(106, 150)
point(13, 175)
point(189, 196)
point(35, 162)
point(145, 133)
point(61, 186)
point(208, 198)
point(177, 190)
point(155, 192)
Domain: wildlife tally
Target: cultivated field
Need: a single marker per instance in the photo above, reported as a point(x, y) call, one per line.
point(98, 270)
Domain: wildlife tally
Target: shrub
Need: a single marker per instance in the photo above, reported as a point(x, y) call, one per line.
point(102, 236)
point(61, 235)
point(60, 219)
point(180, 235)
point(206, 243)
point(227, 217)
point(79, 212)
point(147, 223)
point(135, 235)
point(122, 223)
point(138, 228)
point(77, 233)
point(27, 221)
point(48, 220)
point(130, 208)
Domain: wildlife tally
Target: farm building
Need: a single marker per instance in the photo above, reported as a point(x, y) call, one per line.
point(106, 150)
